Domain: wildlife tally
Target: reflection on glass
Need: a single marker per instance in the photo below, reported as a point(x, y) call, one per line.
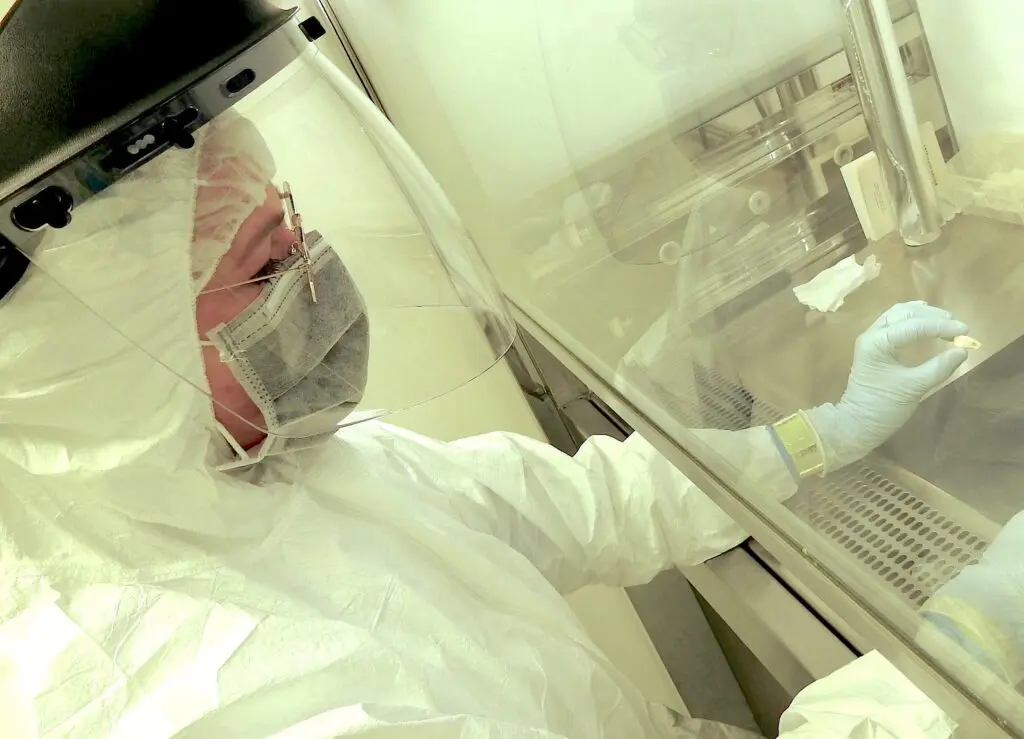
point(671, 173)
point(865, 434)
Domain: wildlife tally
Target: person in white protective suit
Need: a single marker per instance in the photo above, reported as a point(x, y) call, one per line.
point(190, 547)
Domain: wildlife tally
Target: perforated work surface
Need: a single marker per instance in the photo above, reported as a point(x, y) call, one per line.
point(912, 546)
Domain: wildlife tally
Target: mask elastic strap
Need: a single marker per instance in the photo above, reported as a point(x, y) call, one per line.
point(246, 458)
point(224, 357)
point(235, 447)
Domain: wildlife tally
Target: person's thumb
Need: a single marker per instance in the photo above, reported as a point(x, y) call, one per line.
point(937, 370)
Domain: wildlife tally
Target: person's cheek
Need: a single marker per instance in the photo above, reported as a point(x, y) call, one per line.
point(219, 307)
point(249, 253)
point(282, 239)
point(232, 407)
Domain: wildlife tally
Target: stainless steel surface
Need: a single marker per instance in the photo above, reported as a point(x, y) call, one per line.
point(857, 642)
point(767, 699)
point(787, 638)
point(790, 358)
point(911, 535)
point(893, 123)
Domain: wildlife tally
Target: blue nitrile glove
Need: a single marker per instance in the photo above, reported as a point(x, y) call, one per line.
point(882, 394)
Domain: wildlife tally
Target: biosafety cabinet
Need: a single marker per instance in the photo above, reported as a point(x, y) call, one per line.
point(650, 181)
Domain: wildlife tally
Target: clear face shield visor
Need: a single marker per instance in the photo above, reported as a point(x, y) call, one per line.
point(275, 216)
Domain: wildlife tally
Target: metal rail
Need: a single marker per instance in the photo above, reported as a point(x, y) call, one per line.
point(892, 122)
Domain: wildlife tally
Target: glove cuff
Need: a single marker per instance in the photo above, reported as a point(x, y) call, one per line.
point(836, 440)
point(802, 444)
point(827, 422)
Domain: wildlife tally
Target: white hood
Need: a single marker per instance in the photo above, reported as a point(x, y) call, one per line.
point(96, 435)
point(71, 384)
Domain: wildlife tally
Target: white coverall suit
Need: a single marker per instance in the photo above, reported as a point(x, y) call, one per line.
point(383, 585)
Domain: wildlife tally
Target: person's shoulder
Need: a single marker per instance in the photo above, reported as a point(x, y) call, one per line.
point(374, 434)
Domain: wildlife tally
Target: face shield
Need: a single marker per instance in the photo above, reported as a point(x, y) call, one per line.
point(326, 277)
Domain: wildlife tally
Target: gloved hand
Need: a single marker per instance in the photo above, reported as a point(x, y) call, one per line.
point(882, 394)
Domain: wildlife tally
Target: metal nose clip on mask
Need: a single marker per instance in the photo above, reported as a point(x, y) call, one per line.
point(164, 190)
point(302, 360)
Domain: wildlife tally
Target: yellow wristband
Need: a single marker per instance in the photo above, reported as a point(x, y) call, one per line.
point(802, 444)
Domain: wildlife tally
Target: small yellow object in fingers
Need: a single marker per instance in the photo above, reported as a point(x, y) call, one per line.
point(966, 342)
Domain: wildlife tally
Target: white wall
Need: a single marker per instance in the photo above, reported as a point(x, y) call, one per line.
point(977, 49)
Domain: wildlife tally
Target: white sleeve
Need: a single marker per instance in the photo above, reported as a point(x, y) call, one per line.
point(867, 698)
point(979, 609)
point(616, 513)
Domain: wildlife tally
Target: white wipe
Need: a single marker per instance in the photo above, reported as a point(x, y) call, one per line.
point(829, 289)
point(868, 699)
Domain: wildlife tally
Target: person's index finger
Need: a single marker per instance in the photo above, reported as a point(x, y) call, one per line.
point(914, 329)
point(936, 312)
point(952, 328)
point(924, 310)
point(906, 311)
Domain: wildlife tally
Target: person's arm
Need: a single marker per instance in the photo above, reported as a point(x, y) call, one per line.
point(982, 607)
point(619, 513)
point(615, 513)
point(881, 395)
